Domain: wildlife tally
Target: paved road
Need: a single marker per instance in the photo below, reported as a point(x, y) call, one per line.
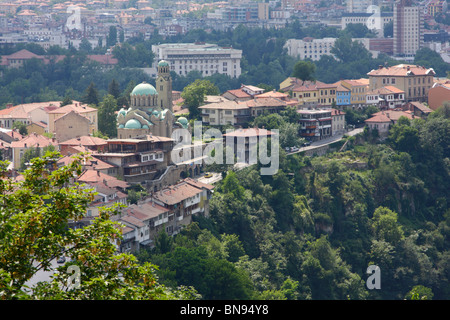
point(329, 140)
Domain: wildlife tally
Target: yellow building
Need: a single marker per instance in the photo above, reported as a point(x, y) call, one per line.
point(327, 93)
point(306, 93)
point(31, 141)
point(414, 80)
point(358, 90)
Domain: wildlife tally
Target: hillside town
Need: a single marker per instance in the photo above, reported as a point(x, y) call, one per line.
point(144, 150)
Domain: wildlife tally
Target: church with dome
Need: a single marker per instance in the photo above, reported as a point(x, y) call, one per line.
point(151, 110)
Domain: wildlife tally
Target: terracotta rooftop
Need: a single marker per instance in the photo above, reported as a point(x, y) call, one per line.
point(177, 193)
point(75, 106)
point(380, 118)
point(249, 132)
point(33, 140)
point(239, 93)
point(228, 105)
point(265, 102)
point(146, 210)
point(386, 90)
point(93, 176)
point(402, 70)
point(85, 141)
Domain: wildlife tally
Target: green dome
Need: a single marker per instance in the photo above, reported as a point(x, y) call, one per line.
point(145, 126)
point(163, 63)
point(183, 120)
point(121, 126)
point(133, 124)
point(144, 89)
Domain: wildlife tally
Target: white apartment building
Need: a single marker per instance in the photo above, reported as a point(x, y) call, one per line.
point(374, 21)
point(309, 47)
point(408, 29)
point(206, 58)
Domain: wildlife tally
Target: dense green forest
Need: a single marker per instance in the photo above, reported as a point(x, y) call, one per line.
point(265, 62)
point(311, 230)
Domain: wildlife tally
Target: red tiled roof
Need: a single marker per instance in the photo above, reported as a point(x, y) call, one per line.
point(93, 176)
point(249, 132)
point(85, 141)
point(378, 118)
point(33, 140)
point(176, 193)
point(393, 115)
point(402, 70)
point(103, 59)
point(239, 93)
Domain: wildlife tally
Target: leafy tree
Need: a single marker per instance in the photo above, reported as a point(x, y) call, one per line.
point(347, 50)
point(107, 117)
point(385, 225)
point(195, 93)
point(91, 95)
point(304, 70)
point(419, 293)
point(114, 89)
point(388, 30)
point(35, 230)
point(29, 154)
point(111, 40)
point(22, 127)
point(85, 45)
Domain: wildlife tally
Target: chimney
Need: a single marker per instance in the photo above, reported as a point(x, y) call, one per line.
point(380, 66)
point(9, 105)
point(407, 68)
point(98, 173)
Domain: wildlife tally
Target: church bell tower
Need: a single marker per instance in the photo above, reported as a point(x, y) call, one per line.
point(164, 86)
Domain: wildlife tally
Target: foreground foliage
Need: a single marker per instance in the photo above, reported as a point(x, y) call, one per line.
point(34, 218)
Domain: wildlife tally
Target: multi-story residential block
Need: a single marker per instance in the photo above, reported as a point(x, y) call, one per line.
point(358, 5)
point(245, 142)
point(309, 48)
point(358, 89)
point(205, 58)
point(138, 160)
point(388, 97)
point(374, 21)
point(89, 142)
point(343, 95)
point(337, 121)
point(225, 113)
point(327, 94)
point(167, 210)
point(238, 113)
point(435, 7)
point(408, 29)
point(414, 80)
point(306, 93)
point(315, 124)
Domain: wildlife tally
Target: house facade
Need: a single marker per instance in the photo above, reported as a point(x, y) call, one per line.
point(414, 80)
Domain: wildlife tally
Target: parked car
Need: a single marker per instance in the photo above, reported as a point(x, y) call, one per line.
point(61, 259)
point(307, 143)
point(287, 149)
point(293, 149)
point(208, 175)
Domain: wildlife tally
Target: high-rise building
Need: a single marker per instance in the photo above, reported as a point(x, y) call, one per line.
point(408, 29)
